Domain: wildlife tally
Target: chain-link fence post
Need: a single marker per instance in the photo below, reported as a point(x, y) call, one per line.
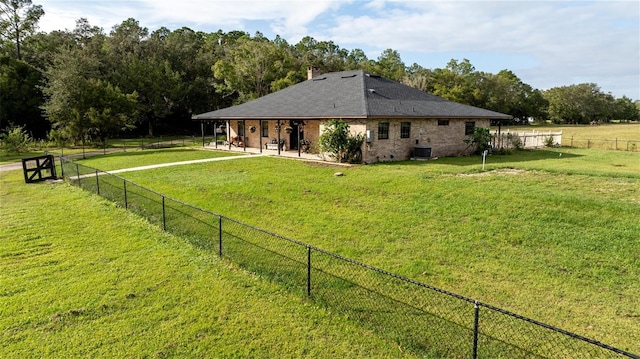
point(126, 203)
point(97, 183)
point(61, 167)
point(476, 320)
point(220, 236)
point(308, 271)
point(164, 217)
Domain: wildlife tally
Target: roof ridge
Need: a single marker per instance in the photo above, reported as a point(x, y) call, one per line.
point(365, 98)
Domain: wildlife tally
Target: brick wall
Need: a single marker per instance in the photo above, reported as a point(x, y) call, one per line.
point(446, 139)
point(309, 132)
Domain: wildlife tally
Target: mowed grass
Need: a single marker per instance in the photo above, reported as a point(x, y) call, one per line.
point(150, 157)
point(553, 234)
point(129, 144)
point(80, 277)
point(6, 157)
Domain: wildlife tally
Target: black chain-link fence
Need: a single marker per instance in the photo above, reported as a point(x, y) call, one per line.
point(420, 318)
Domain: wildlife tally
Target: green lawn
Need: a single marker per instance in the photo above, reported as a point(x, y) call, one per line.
point(150, 157)
point(553, 235)
point(113, 145)
point(80, 277)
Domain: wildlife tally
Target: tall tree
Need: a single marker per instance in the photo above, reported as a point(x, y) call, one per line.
point(626, 110)
point(18, 20)
point(250, 67)
point(137, 64)
point(20, 97)
point(81, 102)
point(40, 48)
point(326, 55)
point(356, 60)
point(577, 104)
point(458, 82)
point(420, 78)
point(389, 65)
point(506, 93)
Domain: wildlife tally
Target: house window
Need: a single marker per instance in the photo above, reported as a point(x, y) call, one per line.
point(405, 129)
point(443, 122)
point(383, 130)
point(265, 129)
point(240, 128)
point(469, 126)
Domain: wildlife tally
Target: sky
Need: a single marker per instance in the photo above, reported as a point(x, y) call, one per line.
point(545, 43)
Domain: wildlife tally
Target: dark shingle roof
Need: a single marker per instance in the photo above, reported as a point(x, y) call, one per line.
point(350, 94)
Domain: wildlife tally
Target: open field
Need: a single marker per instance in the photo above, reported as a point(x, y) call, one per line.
point(555, 238)
point(607, 136)
point(120, 287)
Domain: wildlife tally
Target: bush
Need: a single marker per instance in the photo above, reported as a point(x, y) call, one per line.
point(15, 140)
point(340, 144)
point(514, 141)
point(481, 138)
point(548, 142)
point(353, 153)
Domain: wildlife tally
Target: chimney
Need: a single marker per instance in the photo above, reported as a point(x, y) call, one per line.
point(312, 71)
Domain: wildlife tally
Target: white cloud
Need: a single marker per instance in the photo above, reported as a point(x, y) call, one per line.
point(551, 43)
point(284, 17)
point(569, 41)
point(289, 16)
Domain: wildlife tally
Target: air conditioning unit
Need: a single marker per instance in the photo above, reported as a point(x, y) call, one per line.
point(422, 151)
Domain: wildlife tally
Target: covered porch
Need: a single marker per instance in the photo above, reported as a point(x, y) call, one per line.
point(282, 137)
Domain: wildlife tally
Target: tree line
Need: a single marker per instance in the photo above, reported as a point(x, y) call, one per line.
point(88, 84)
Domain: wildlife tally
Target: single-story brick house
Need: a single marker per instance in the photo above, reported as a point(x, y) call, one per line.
point(399, 121)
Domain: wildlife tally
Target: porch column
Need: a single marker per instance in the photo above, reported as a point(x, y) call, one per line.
point(298, 138)
point(229, 134)
point(202, 131)
point(278, 128)
point(244, 135)
point(260, 134)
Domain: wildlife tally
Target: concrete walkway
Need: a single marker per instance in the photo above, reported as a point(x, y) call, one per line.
point(160, 165)
point(11, 167)
point(249, 153)
point(18, 166)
